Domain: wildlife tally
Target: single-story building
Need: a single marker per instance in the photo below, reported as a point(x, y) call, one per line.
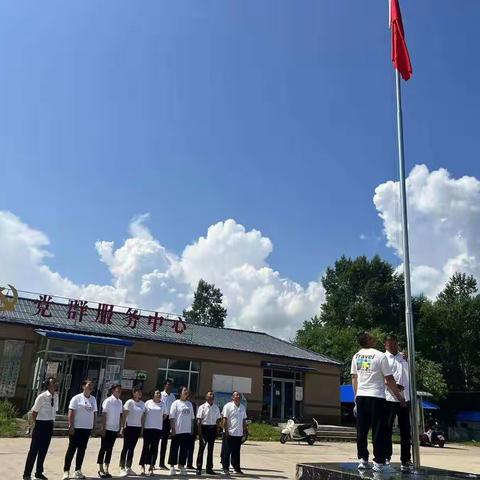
point(72, 340)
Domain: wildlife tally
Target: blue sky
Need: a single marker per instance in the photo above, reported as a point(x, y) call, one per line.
point(279, 114)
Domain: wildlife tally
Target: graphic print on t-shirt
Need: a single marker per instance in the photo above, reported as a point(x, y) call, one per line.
point(364, 362)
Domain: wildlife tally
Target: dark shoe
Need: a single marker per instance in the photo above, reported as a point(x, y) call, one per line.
point(162, 467)
point(108, 475)
point(102, 474)
point(199, 471)
point(27, 477)
point(40, 476)
point(239, 472)
point(190, 467)
point(211, 472)
point(226, 471)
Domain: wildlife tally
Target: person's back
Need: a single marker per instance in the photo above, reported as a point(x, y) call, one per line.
point(371, 366)
point(370, 371)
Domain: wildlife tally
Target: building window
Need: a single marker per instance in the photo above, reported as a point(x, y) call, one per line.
point(182, 372)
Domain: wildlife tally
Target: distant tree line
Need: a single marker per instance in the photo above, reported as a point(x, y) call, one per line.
point(368, 294)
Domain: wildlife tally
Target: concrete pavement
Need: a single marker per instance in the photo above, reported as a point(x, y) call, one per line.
point(260, 460)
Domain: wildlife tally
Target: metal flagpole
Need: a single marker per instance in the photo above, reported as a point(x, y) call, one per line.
point(406, 270)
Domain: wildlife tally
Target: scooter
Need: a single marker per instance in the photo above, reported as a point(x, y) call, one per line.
point(305, 432)
point(432, 437)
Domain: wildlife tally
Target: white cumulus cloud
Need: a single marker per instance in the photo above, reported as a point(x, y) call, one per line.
point(147, 275)
point(444, 225)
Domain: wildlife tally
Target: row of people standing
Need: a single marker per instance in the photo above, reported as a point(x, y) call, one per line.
point(158, 418)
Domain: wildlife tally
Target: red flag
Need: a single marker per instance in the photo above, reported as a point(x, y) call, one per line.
point(400, 56)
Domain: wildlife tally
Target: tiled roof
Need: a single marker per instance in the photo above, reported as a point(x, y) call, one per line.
point(198, 335)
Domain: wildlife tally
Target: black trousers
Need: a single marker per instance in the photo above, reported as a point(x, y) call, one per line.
point(41, 436)
point(179, 449)
point(151, 438)
point(231, 452)
point(190, 449)
point(209, 434)
point(76, 443)
point(106, 447)
point(403, 414)
point(163, 445)
point(130, 439)
point(372, 413)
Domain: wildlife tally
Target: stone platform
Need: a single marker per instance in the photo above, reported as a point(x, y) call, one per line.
point(349, 471)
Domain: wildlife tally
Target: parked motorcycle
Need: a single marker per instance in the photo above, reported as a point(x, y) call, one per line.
point(305, 432)
point(432, 438)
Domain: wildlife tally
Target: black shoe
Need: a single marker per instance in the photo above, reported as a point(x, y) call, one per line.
point(40, 476)
point(190, 467)
point(226, 471)
point(239, 472)
point(102, 474)
point(211, 472)
point(27, 477)
point(199, 471)
point(162, 466)
point(108, 475)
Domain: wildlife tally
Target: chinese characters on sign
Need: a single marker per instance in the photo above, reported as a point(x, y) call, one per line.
point(79, 311)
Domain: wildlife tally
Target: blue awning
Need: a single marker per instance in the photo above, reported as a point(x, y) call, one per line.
point(429, 405)
point(346, 394)
point(77, 337)
point(466, 416)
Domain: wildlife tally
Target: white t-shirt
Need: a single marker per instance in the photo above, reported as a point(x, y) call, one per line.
point(85, 409)
point(43, 406)
point(235, 417)
point(168, 399)
point(154, 414)
point(182, 412)
point(371, 367)
point(112, 407)
point(208, 414)
point(399, 368)
point(134, 411)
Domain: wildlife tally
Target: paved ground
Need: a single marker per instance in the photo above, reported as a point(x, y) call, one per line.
point(261, 460)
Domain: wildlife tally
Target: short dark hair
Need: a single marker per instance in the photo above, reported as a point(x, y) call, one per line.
point(391, 338)
point(48, 381)
point(363, 339)
point(209, 391)
point(136, 389)
point(167, 381)
point(87, 380)
point(114, 386)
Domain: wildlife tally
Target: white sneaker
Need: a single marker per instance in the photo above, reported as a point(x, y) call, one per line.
point(364, 465)
point(66, 475)
point(183, 471)
point(382, 468)
point(407, 467)
point(78, 475)
point(173, 472)
point(123, 472)
point(387, 461)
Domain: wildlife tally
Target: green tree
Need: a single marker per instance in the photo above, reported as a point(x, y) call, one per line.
point(207, 306)
point(448, 332)
point(430, 377)
point(364, 294)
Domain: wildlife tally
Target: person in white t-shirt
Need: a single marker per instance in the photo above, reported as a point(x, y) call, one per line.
point(167, 398)
point(42, 415)
point(112, 409)
point(399, 367)
point(234, 426)
point(155, 414)
point(81, 420)
point(181, 425)
point(208, 419)
point(132, 420)
point(370, 371)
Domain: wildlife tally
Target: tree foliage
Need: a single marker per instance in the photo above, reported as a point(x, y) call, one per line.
point(207, 308)
point(363, 294)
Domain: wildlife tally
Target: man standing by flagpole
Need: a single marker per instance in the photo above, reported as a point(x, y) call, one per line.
point(403, 67)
